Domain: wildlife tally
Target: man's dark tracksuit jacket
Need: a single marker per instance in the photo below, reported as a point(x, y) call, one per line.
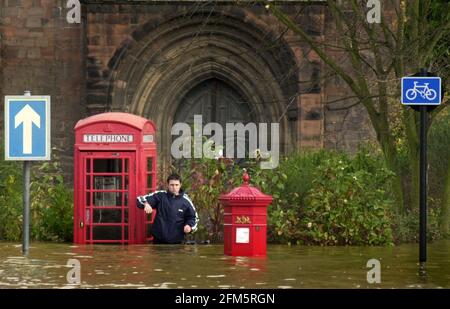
point(173, 213)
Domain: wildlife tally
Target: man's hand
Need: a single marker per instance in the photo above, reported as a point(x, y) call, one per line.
point(148, 209)
point(187, 229)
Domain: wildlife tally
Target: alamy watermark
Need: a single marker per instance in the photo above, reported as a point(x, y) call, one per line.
point(74, 14)
point(374, 13)
point(74, 274)
point(374, 274)
point(192, 145)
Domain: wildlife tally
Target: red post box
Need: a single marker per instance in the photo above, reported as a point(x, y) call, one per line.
point(114, 161)
point(245, 220)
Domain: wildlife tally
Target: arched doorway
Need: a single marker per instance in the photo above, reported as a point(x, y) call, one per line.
point(216, 102)
point(161, 70)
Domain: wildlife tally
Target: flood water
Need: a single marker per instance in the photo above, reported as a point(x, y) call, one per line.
point(205, 266)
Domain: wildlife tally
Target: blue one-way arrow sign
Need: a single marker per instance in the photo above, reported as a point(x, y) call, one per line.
point(27, 128)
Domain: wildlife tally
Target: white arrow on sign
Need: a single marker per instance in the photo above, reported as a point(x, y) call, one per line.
point(27, 116)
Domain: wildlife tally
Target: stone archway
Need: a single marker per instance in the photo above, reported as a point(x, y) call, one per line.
point(219, 103)
point(155, 71)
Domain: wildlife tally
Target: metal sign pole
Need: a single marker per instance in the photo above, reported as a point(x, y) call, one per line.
point(423, 182)
point(26, 202)
point(26, 208)
point(423, 185)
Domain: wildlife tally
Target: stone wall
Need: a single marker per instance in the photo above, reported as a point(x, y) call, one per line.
point(346, 124)
point(41, 52)
point(121, 40)
point(81, 65)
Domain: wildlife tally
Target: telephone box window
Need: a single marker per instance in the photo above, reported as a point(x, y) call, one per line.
point(108, 182)
point(107, 199)
point(107, 215)
point(106, 233)
point(88, 199)
point(107, 166)
point(150, 187)
point(125, 232)
point(149, 164)
point(88, 234)
point(88, 182)
point(125, 215)
point(149, 180)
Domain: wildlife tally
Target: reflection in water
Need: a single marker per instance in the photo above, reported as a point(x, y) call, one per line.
point(205, 266)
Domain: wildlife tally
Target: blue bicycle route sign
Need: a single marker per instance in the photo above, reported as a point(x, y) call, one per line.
point(27, 128)
point(421, 90)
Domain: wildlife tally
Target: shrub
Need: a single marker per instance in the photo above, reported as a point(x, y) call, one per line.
point(205, 180)
point(11, 204)
point(406, 225)
point(330, 198)
point(348, 204)
point(299, 169)
point(51, 209)
point(51, 205)
point(319, 197)
point(438, 153)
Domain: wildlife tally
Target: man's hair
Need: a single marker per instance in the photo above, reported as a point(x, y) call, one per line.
point(174, 177)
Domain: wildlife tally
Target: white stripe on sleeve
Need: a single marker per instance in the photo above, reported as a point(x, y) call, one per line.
point(194, 228)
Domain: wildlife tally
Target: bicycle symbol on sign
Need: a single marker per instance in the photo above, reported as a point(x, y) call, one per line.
point(424, 91)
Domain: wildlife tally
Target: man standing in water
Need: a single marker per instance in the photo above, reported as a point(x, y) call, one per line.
point(176, 213)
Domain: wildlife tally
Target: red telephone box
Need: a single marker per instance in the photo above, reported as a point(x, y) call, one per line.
point(115, 161)
point(245, 220)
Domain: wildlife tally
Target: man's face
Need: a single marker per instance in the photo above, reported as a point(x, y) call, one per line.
point(174, 186)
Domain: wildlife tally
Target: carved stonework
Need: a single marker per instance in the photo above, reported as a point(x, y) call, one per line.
point(148, 57)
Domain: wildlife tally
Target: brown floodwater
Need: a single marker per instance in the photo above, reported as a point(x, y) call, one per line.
point(205, 266)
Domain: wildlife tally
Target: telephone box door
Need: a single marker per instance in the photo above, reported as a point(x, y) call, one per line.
point(108, 184)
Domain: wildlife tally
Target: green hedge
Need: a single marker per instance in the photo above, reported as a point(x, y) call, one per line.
point(323, 197)
point(51, 209)
point(332, 199)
